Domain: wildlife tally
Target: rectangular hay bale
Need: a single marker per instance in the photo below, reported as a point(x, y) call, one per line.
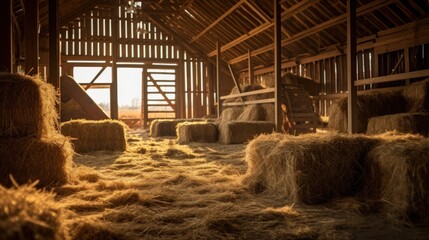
point(240, 132)
point(417, 123)
point(27, 107)
point(196, 132)
point(47, 160)
point(91, 135)
point(166, 127)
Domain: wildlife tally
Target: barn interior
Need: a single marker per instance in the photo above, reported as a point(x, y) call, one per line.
point(193, 119)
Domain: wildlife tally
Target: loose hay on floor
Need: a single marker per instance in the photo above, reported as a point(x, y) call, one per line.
point(240, 132)
point(417, 96)
point(417, 123)
point(27, 213)
point(310, 168)
point(47, 160)
point(397, 175)
point(368, 105)
point(89, 135)
point(196, 132)
point(34, 102)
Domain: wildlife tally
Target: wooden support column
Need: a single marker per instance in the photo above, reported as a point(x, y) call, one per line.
point(144, 107)
point(277, 65)
point(351, 67)
point(250, 67)
point(114, 114)
point(54, 48)
point(31, 31)
point(180, 87)
point(219, 105)
point(407, 63)
point(6, 40)
point(211, 80)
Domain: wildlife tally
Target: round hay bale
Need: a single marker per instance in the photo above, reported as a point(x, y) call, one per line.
point(229, 114)
point(29, 159)
point(27, 213)
point(27, 106)
point(196, 132)
point(91, 135)
point(369, 105)
point(310, 168)
point(397, 175)
point(417, 123)
point(417, 96)
point(253, 112)
point(239, 132)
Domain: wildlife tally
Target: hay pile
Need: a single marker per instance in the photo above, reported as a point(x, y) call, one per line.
point(253, 112)
point(308, 84)
point(240, 132)
point(27, 107)
point(166, 127)
point(29, 159)
point(368, 105)
point(27, 213)
point(90, 135)
point(269, 112)
point(397, 173)
point(248, 88)
point(311, 168)
point(196, 132)
point(415, 122)
point(417, 96)
point(71, 109)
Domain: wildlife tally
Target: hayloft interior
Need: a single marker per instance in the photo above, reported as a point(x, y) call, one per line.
point(220, 119)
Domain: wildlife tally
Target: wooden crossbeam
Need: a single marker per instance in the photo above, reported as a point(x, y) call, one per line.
point(237, 5)
point(160, 91)
point(181, 10)
point(325, 25)
point(95, 78)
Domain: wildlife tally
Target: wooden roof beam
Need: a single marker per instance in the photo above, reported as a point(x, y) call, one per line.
point(181, 10)
point(299, 7)
point(237, 5)
point(330, 23)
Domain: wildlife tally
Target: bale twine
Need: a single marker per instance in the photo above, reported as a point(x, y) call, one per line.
point(90, 135)
point(417, 122)
point(196, 132)
point(253, 112)
point(27, 213)
point(417, 96)
point(397, 175)
point(369, 105)
point(310, 168)
point(29, 159)
point(27, 106)
point(240, 132)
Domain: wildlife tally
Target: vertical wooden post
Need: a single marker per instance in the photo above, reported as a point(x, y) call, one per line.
point(407, 63)
point(351, 67)
point(115, 49)
point(31, 31)
point(180, 82)
point(144, 107)
point(54, 48)
point(277, 65)
point(219, 105)
point(6, 62)
point(250, 67)
point(211, 77)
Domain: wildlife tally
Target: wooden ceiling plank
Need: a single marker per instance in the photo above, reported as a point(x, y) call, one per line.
point(237, 5)
point(258, 11)
point(330, 23)
point(181, 10)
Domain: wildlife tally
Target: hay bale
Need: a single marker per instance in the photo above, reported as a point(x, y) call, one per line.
point(90, 135)
point(27, 106)
point(246, 88)
point(398, 175)
point(311, 168)
point(269, 112)
point(229, 114)
point(417, 123)
point(166, 127)
point(72, 110)
point(369, 105)
point(196, 132)
point(253, 112)
point(27, 213)
point(240, 132)
point(417, 96)
point(29, 159)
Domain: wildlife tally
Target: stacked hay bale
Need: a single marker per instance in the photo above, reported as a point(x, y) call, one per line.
point(31, 148)
point(196, 132)
point(416, 122)
point(166, 127)
point(369, 105)
point(417, 96)
point(308, 84)
point(397, 175)
point(92, 135)
point(27, 213)
point(311, 168)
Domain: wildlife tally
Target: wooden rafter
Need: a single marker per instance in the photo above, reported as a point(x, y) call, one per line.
point(237, 5)
point(181, 10)
point(330, 23)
